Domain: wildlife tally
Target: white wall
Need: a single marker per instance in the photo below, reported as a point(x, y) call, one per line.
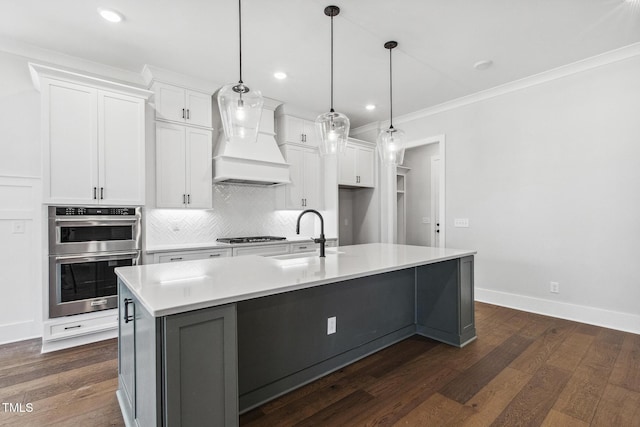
point(549, 177)
point(418, 193)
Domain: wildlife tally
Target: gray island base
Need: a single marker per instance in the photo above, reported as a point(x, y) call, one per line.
point(193, 356)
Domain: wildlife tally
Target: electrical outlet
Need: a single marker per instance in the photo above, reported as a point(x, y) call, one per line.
point(461, 222)
point(426, 220)
point(554, 287)
point(331, 325)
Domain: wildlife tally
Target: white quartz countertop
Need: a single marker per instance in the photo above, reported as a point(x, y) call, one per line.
point(171, 288)
point(219, 245)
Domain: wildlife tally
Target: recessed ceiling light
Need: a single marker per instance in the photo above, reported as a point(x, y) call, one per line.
point(110, 15)
point(483, 65)
point(280, 75)
point(370, 107)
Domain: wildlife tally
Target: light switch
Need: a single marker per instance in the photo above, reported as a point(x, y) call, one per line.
point(461, 222)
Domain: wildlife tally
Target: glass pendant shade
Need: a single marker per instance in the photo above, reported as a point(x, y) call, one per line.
point(241, 110)
point(390, 146)
point(333, 130)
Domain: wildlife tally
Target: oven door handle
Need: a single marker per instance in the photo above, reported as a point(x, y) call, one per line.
point(96, 221)
point(104, 256)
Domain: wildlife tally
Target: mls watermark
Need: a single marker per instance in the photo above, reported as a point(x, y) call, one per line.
point(18, 408)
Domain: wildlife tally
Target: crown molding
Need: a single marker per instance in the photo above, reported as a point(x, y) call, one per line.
point(587, 64)
point(57, 59)
point(374, 126)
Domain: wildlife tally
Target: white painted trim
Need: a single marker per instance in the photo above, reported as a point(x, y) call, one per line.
point(626, 322)
point(53, 57)
point(19, 331)
point(587, 64)
point(365, 128)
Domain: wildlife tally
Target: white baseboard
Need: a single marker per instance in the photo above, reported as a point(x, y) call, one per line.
point(580, 313)
point(48, 346)
point(20, 331)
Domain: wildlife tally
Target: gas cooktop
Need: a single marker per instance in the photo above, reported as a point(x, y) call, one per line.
point(251, 239)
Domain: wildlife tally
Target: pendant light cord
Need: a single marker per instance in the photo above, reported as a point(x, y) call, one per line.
point(240, 35)
point(390, 91)
point(332, 110)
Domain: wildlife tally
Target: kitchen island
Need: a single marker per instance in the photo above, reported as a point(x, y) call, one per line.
point(201, 341)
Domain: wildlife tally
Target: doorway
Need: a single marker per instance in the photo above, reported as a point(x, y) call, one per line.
point(425, 193)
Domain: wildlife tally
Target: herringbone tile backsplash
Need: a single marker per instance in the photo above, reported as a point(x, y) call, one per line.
point(237, 211)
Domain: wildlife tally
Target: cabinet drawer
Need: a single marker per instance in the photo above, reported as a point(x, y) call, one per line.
point(83, 325)
point(304, 247)
point(262, 250)
point(191, 255)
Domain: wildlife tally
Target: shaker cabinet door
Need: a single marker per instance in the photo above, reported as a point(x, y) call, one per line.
point(121, 149)
point(71, 150)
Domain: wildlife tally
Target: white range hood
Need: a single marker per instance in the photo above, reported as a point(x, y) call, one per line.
point(251, 163)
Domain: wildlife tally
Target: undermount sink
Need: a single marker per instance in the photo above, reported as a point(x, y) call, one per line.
point(314, 254)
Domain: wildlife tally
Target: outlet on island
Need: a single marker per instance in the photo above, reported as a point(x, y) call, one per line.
point(331, 325)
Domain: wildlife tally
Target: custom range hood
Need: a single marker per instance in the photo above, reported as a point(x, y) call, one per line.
point(251, 163)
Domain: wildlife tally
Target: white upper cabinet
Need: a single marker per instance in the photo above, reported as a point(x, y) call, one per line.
point(177, 104)
point(305, 188)
point(295, 130)
point(93, 139)
point(183, 167)
point(357, 165)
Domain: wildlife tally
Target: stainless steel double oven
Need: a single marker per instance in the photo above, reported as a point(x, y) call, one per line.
point(86, 244)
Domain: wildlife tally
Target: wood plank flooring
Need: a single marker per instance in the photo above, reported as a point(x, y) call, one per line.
point(523, 370)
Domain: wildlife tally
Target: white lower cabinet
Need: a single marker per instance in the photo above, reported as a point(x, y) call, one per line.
point(183, 167)
point(266, 250)
point(191, 255)
point(305, 188)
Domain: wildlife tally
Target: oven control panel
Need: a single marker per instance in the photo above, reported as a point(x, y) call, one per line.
point(79, 211)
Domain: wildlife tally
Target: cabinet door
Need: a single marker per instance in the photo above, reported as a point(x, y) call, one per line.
point(294, 192)
point(309, 132)
point(294, 129)
point(69, 127)
point(199, 187)
point(312, 179)
point(121, 149)
point(170, 166)
point(364, 166)
point(126, 349)
point(170, 102)
point(201, 360)
point(347, 172)
point(198, 107)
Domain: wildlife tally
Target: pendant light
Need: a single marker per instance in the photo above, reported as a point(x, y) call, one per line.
point(240, 107)
point(332, 128)
point(391, 140)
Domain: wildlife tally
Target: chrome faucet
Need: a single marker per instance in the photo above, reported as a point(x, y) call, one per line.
point(321, 240)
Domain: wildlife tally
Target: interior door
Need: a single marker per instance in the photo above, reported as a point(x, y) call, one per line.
point(435, 202)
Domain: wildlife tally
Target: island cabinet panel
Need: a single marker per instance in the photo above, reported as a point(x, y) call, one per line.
point(444, 293)
point(283, 340)
point(201, 368)
point(138, 361)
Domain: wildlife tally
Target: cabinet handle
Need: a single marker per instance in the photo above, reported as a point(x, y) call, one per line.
point(95, 193)
point(178, 258)
point(188, 199)
point(184, 199)
point(188, 115)
point(213, 255)
point(128, 318)
point(101, 193)
point(66, 328)
point(183, 113)
point(302, 247)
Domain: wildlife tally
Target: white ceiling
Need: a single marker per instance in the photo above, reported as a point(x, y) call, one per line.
point(439, 41)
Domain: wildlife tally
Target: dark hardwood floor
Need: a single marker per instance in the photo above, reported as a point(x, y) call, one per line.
point(523, 370)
